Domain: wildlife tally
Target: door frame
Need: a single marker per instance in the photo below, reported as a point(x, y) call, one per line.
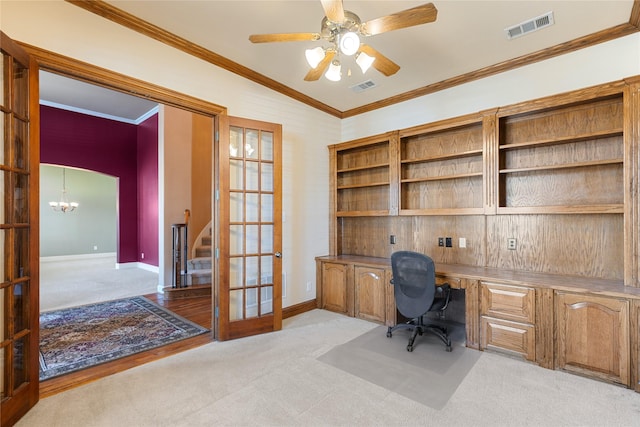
point(82, 71)
point(24, 396)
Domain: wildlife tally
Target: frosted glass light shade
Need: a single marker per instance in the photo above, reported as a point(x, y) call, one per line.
point(349, 43)
point(364, 61)
point(333, 73)
point(314, 56)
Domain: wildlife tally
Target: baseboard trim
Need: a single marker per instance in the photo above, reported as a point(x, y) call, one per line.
point(78, 257)
point(294, 310)
point(140, 265)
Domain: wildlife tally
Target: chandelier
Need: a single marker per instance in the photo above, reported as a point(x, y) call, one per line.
point(63, 205)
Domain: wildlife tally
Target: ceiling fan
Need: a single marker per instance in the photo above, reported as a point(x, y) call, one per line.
point(343, 30)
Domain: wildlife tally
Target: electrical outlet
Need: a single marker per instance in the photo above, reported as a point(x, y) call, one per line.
point(448, 242)
point(512, 244)
point(440, 241)
point(95, 248)
point(308, 286)
point(142, 255)
point(462, 242)
point(392, 239)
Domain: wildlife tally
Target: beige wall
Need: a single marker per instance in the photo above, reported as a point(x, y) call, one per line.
point(202, 168)
point(55, 26)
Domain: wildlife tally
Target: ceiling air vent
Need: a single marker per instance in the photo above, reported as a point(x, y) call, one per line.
point(361, 87)
point(529, 26)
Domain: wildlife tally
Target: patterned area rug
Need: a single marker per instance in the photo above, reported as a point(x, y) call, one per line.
point(80, 337)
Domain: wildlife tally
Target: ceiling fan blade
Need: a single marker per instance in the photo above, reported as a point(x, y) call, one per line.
point(316, 73)
point(382, 63)
point(284, 37)
point(407, 18)
point(333, 10)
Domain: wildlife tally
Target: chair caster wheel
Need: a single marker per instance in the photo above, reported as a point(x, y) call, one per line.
point(409, 348)
point(388, 334)
point(449, 348)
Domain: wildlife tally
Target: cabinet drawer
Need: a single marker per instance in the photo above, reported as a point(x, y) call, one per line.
point(508, 302)
point(513, 337)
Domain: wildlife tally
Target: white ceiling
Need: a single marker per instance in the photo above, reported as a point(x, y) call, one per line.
point(467, 36)
point(62, 92)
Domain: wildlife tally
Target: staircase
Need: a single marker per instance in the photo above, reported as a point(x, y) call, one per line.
point(198, 273)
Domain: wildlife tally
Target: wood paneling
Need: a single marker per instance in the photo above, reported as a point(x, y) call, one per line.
point(584, 245)
point(544, 324)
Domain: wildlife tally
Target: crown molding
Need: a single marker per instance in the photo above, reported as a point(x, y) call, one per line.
point(127, 20)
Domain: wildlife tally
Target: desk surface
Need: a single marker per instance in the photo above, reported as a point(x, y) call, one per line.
point(614, 288)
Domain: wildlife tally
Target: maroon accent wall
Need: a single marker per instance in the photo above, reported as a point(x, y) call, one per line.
point(101, 145)
point(148, 191)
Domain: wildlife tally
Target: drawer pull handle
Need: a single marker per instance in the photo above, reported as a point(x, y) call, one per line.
point(375, 276)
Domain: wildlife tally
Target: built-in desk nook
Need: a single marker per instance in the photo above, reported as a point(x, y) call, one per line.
point(580, 325)
point(532, 209)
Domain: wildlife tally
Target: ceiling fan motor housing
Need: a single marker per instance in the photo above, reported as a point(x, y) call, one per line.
point(331, 30)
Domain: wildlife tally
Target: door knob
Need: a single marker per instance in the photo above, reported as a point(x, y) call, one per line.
point(278, 255)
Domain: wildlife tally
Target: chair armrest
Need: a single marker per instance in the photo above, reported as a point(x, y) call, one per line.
point(444, 291)
point(444, 288)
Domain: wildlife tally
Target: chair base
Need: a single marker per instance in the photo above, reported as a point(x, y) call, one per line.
point(418, 327)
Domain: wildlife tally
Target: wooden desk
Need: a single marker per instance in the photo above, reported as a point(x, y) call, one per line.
point(514, 312)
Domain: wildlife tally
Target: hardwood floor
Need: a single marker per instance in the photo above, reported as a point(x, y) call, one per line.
point(197, 309)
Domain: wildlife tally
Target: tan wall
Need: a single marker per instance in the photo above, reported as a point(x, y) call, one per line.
point(201, 176)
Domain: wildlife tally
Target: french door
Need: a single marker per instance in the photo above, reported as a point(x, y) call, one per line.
point(19, 166)
point(250, 227)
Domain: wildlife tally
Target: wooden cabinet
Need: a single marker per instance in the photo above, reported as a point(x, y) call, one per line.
point(441, 169)
point(508, 319)
point(357, 289)
point(370, 298)
point(592, 336)
point(566, 159)
point(337, 288)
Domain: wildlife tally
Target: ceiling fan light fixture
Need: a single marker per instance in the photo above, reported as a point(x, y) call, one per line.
point(314, 56)
point(364, 61)
point(349, 43)
point(334, 72)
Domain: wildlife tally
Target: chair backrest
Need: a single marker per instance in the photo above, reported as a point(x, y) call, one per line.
point(414, 282)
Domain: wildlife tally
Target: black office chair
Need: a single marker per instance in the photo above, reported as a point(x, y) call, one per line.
point(416, 294)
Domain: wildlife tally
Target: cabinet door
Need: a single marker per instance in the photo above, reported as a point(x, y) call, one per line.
point(369, 293)
point(337, 289)
point(593, 336)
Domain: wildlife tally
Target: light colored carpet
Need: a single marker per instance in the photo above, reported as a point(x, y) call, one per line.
point(72, 283)
point(428, 375)
point(276, 379)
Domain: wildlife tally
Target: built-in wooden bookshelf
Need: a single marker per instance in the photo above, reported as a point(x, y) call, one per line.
point(567, 159)
point(558, 177)
point(557, 174)
point(363, 171)
point(441, 169)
